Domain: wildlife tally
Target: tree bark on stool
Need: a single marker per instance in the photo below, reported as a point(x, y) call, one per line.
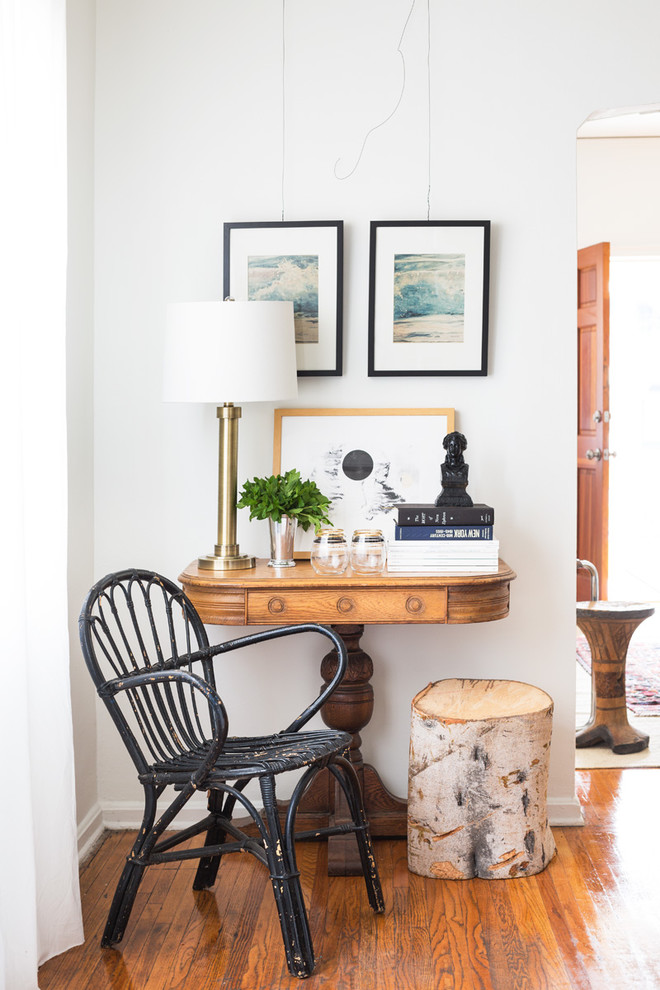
point(477, 792)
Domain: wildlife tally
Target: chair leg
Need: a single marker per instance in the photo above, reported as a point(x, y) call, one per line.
point(207, 870)
point(122, 903)
point(287, 890)
point(129, 881)
point(345, 773)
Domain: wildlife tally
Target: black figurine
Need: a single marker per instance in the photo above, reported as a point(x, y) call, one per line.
point(454, 472)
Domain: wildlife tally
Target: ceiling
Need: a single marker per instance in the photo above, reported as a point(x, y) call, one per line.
point(626, 122)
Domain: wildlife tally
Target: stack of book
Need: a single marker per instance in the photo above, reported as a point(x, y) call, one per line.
point(443, 539)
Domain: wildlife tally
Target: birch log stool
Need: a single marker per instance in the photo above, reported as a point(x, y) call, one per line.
point(477, 793)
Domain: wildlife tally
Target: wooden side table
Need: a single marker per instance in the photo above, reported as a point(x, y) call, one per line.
point(269, 596)
point(608, 627)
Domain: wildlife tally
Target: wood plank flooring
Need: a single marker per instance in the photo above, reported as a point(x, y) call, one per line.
point(591, 920)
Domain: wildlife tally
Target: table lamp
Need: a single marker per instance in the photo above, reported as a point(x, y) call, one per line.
point(226, 352)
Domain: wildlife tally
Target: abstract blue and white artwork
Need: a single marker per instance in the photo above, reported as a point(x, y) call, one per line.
point(429, 298)
point(286, 277)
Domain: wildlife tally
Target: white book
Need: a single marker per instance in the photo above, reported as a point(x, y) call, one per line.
point(396, 555)
point(446, 548)
point(440, 568)
point(429, 555)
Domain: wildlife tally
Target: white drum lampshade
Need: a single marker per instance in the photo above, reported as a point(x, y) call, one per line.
point(230, 352)
point(225, 353)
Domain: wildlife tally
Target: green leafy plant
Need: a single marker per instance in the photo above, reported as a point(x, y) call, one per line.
point(285, 495)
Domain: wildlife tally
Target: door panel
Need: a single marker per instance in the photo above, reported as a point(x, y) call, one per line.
point(593, 322)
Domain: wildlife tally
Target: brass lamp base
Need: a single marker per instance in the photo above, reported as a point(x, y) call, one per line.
point(226, 562)
point(227, 556)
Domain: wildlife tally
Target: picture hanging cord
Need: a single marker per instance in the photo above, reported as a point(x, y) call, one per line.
point(398, 103)
point(428, 105)
point(395, 108)
point(283, 100)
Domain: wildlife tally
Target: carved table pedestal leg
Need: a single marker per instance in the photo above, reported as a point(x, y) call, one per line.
point(350, 709)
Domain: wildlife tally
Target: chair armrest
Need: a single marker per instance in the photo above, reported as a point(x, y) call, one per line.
point(217, 711)
point(279, 633)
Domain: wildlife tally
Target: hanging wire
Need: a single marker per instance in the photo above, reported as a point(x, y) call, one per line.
point(428, 103)
point(392, 112)
point(283, 100)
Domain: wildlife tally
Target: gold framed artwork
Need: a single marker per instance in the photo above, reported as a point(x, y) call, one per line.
point(365, 460)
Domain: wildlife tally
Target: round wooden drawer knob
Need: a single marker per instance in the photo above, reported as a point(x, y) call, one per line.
point(414, 605)
point(345, 605)
point(276, 606)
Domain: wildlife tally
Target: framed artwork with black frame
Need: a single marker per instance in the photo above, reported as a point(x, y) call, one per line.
point(365, 460)
point(301, 261)
point(428, 297)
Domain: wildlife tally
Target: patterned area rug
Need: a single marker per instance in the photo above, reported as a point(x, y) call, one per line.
point(642, 675)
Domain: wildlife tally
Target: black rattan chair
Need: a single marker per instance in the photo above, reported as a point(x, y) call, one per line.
point(149, 655)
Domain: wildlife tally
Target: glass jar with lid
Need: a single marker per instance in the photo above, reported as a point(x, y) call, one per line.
point(329, 554)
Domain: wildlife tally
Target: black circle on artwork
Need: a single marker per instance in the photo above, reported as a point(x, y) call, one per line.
point(357, 465)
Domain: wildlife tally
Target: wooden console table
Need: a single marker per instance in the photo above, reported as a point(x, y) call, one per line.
point(269, 596)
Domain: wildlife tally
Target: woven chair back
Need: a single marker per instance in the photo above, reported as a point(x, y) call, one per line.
point(133, 623)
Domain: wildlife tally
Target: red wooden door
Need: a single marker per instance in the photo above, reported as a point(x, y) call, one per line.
point(593, 413)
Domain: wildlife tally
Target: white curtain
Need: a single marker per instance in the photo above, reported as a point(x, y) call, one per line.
point(39, 896)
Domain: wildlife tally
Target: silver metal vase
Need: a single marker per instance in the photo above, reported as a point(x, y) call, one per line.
point(282, 535)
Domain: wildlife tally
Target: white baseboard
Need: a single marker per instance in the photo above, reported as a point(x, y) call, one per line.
point(90, 831)
point(563, 812)
point(128, 814)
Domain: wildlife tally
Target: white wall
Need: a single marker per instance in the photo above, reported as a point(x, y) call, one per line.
point(188, 123)
point(80, 397)
point(619, 194)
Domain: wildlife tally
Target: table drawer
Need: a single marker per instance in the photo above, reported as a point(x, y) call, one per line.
point(348, 605)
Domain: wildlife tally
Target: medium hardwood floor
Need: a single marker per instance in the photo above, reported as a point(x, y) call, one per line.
point(591, 920)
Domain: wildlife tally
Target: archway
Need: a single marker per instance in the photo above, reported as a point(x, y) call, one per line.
point(618, 161)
